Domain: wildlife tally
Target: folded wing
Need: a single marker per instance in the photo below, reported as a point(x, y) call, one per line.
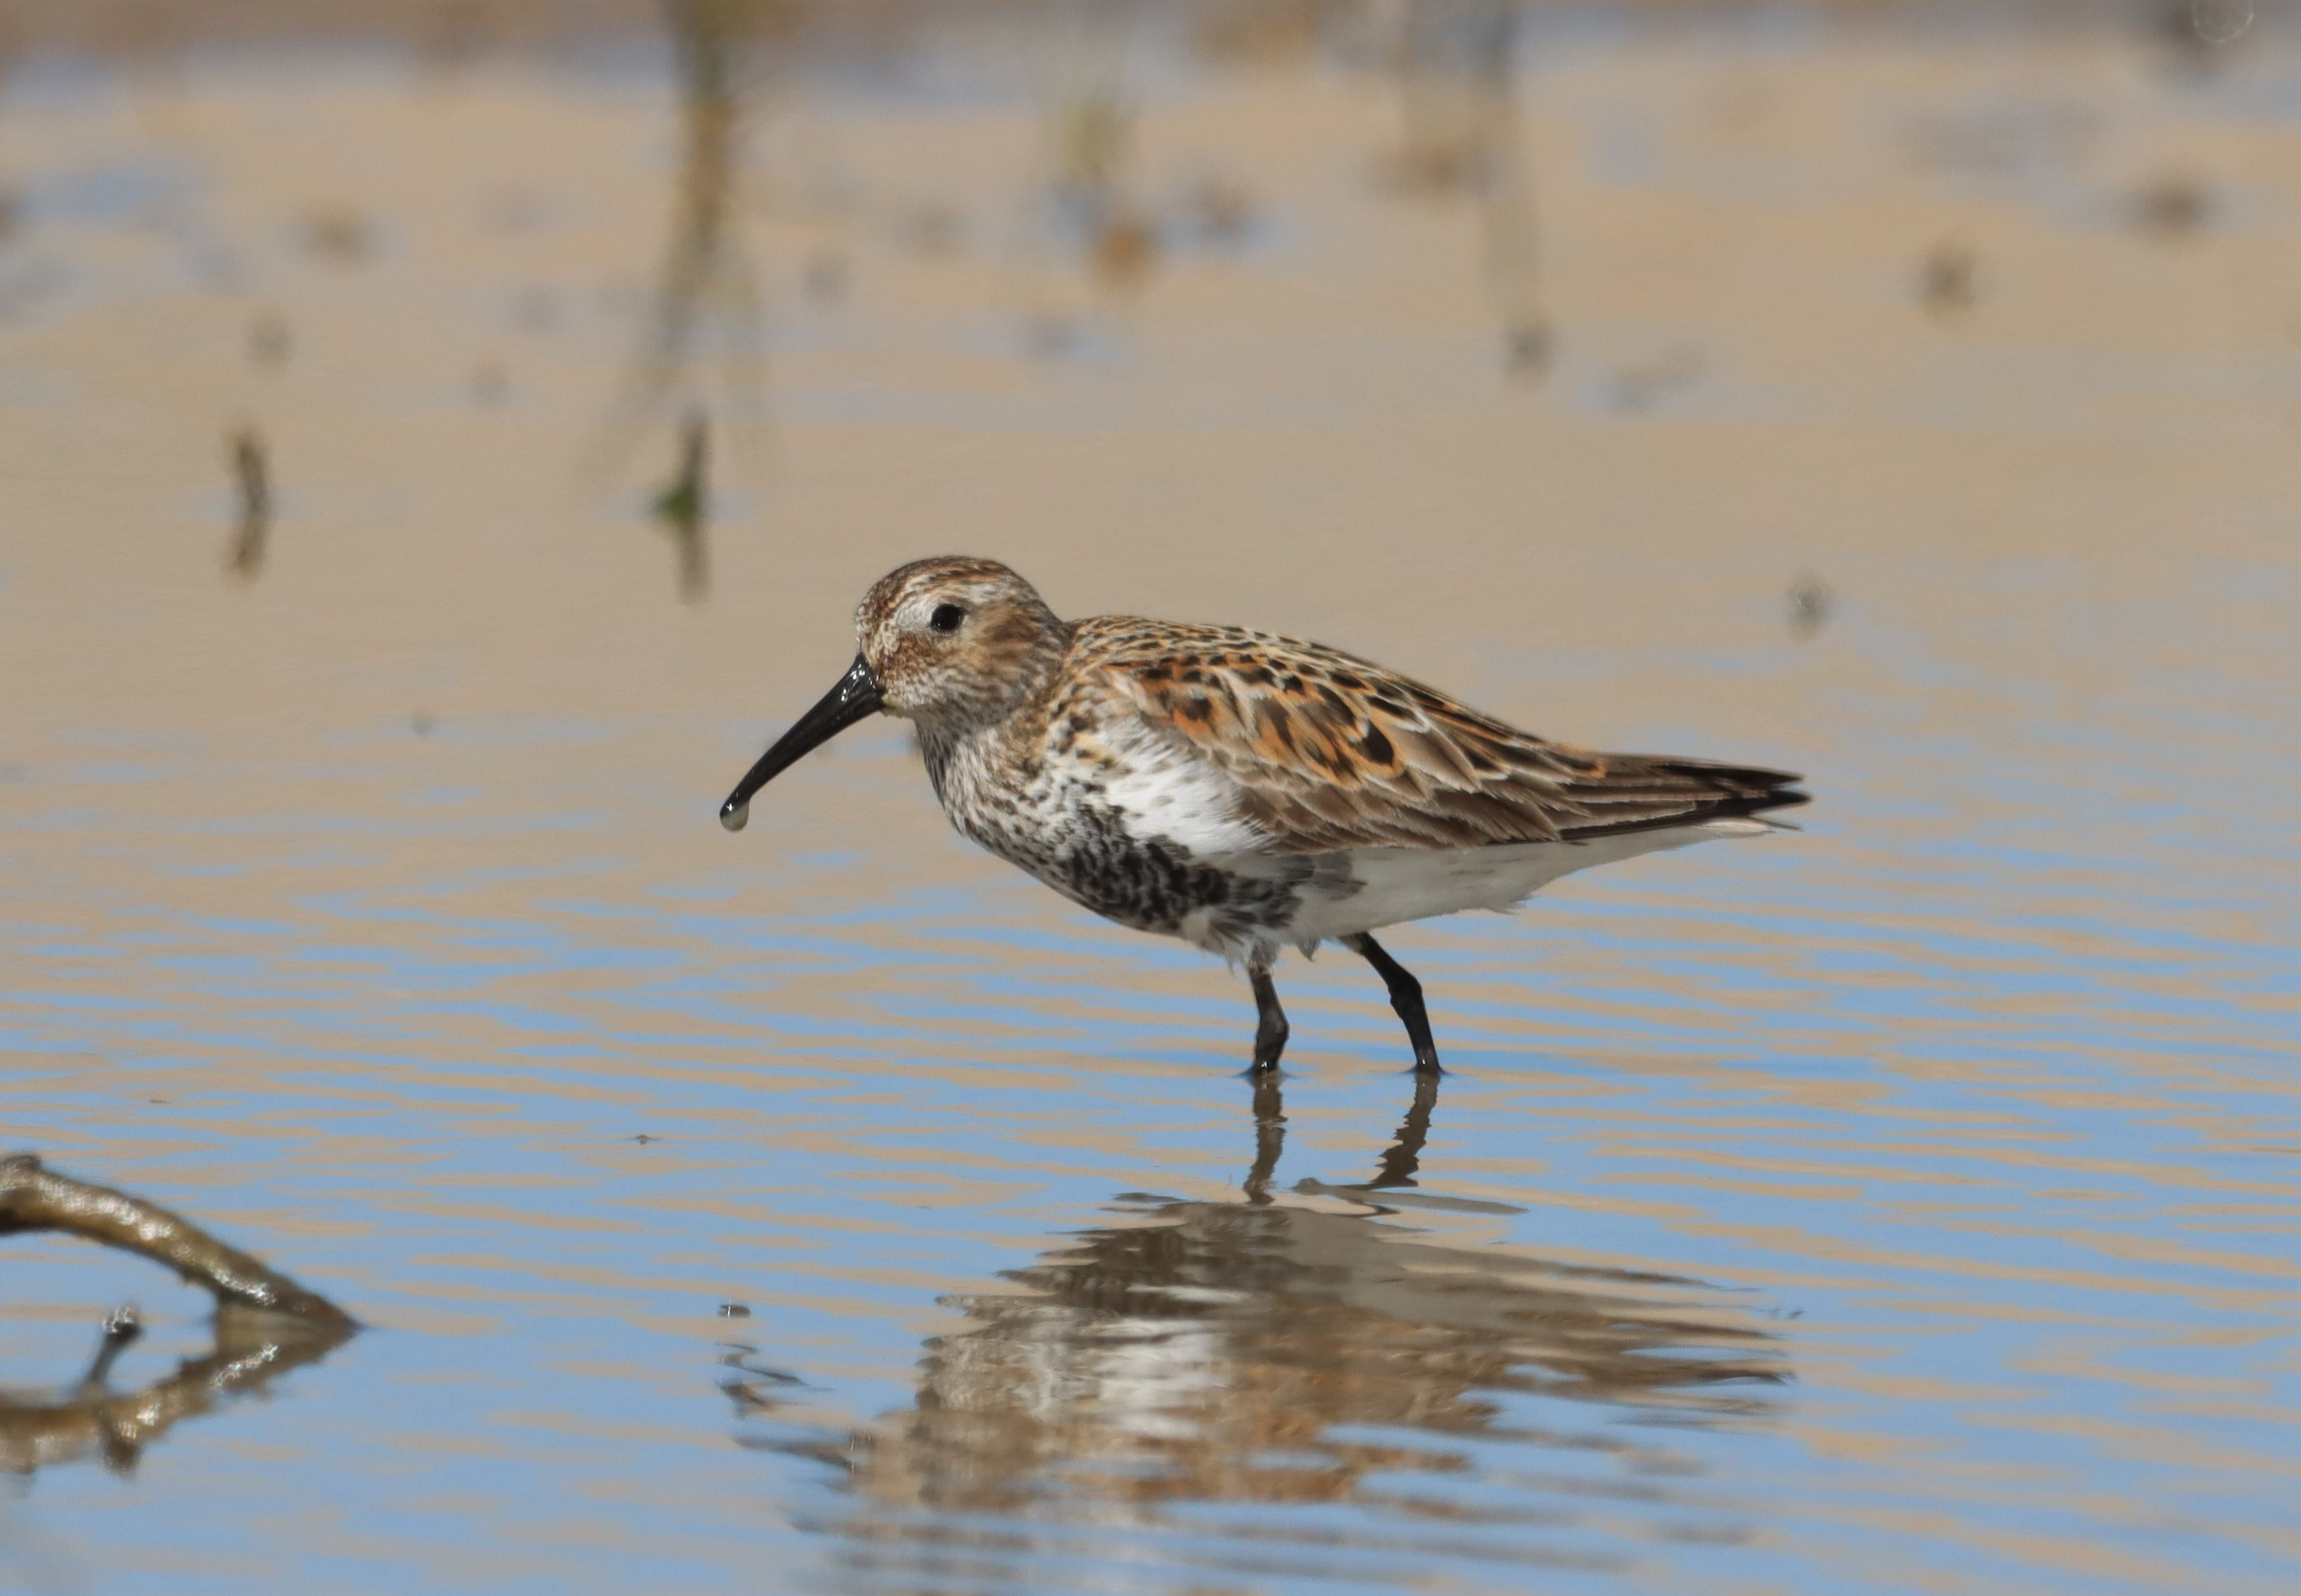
point(1330, 752)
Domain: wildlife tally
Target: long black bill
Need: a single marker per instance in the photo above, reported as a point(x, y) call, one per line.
point(855, 695)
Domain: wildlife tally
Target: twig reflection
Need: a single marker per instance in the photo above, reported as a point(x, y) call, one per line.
point(252, 1349)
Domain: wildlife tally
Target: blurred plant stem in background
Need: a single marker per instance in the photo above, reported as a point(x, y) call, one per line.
point(1094, 130)
point(251, 475)
point(706, 305)
point(684, 506)
point(1086, 213)
point(705, 269)
point(1457, 74)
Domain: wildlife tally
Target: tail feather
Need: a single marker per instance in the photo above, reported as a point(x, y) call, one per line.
point(1694, 790)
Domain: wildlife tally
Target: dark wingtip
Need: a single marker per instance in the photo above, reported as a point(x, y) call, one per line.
point(1741, 791)
point(1748, 790)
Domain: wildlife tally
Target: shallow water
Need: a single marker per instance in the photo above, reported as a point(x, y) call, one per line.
point(1902, 1205)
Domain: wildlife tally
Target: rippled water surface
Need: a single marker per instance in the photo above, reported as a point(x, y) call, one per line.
point(1906, 1203)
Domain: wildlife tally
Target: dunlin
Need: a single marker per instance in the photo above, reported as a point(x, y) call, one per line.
point(1242, 791)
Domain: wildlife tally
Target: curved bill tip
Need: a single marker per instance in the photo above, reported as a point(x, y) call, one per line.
point(855, 695)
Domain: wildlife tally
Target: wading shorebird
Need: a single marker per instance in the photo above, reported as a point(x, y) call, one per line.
point(1241, 792)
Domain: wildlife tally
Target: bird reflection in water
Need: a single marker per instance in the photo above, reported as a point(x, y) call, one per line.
point(1294, 1347)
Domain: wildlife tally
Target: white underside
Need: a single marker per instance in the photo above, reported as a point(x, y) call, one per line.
point(1170, 790)
point(1167, 789)
point(1367, 889)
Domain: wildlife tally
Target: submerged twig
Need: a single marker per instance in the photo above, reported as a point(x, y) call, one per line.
point(34, 1197)
point(265, 1325)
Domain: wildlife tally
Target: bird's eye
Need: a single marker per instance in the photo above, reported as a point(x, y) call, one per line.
point(947, 617)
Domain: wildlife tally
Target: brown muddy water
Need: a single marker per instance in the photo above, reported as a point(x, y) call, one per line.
point(432, 470)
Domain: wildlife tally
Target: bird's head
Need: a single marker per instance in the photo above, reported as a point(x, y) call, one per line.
point(954, 642)
point(951, 643)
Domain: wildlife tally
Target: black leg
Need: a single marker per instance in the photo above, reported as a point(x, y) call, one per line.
point(1405, 997)
point(1270, 1027)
